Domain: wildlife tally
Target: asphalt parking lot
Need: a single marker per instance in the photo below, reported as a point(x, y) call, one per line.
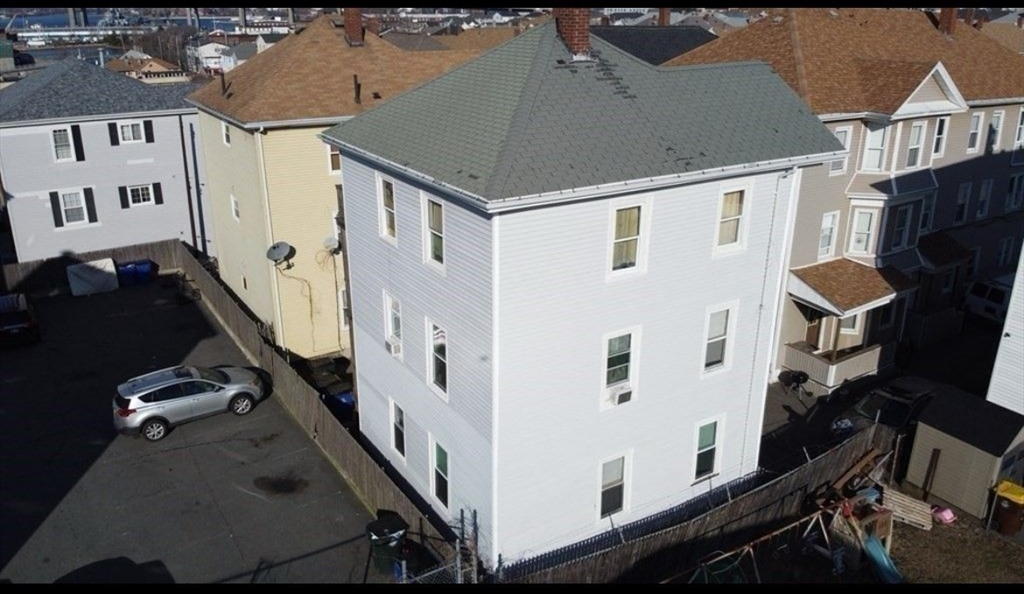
point(223, 499)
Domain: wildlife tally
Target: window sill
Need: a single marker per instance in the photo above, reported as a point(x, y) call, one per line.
point(437, 391)
point(704, 479)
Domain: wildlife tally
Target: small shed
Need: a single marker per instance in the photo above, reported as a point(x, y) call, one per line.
point(963, 446)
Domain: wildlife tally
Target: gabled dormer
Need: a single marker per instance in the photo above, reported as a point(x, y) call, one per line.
point(937, 94)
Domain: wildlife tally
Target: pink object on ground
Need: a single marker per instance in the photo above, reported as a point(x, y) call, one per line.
point(943, 515)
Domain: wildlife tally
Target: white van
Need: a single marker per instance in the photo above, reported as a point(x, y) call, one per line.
point(990, 298)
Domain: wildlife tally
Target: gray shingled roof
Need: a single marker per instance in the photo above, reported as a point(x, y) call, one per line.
point(73, 88)
point(523, 119)
point(655, 45)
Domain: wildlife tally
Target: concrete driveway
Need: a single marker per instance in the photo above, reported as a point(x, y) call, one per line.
point(224, 499)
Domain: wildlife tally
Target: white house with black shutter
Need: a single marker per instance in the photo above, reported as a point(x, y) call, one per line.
point(92, 160)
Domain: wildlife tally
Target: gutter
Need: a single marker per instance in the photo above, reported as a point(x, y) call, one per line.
point(98, 118)
point(598, 191)
point(988, 102)
point(271, 124)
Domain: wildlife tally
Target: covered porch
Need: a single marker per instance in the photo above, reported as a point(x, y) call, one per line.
point(854, 316)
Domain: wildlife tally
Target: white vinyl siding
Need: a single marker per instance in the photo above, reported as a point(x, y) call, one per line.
point(917, 132)
point(874, 147)
point(862, 237)
point(974, 132)
point(939, 143)
point(827, 237)
point(843, 135)
point(963, 197)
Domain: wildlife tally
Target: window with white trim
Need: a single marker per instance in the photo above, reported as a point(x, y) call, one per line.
point(901, 227)
point(435, 232)
point(827, 237)
point(1005, 252)
point(927, 212)
point(225, 133)
point(716, 339)
point(963, 196)
point(72, 207)
point(984, 195)
point(130, 132)
point(235, 211)
point(398, 428)
point(439, 478)
point(974, 133)
point(393, 324)
point(63, 149)
point(862, 238)
point(706, 455)
point(730, 219)
point(613, 486)
point(850, 324)
point(626, 241)
point(333, 159)
point(917, 131)
point(972, 262)
point(437, 346)
point(140, 194)
point(1015, 192)
point(388, 224)
point(874, 147)
point(843, 135)
point(948, 280)
point(995, 131)
point(939, 143)
point(1018, 140)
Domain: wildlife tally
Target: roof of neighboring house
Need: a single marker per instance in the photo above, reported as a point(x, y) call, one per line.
point(866, 183)
point(973, 420)
point(73, 88)
point(138, 65)
point(866, 59)
point(477, 39)
point(1010, 17)
point(242, 51)
point(134, 54)
point(939, 249)
point(272, 37)
point(309, 75)
point(1007, 34)
point(654, 45)
point(413, 41)
point(849, 285)
point(525, 119)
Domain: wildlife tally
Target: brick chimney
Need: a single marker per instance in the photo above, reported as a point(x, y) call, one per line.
point(573, 26)
point(969, 17)
point(664, 17)
point(354, 26)
point(373, 25)
point(947, 20)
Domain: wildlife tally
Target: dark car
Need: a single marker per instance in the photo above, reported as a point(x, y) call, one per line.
point(896, 404)
point(18, 324)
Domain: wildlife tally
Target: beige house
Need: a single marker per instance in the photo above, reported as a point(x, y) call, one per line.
point(930, 197)
point(272, 181)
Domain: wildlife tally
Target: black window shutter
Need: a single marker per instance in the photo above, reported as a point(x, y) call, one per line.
point(76, 135)
point(90, 205)
point(114, 138)
point(58, 214)
point(147, 125)
point(123, 191)
point(158, 193)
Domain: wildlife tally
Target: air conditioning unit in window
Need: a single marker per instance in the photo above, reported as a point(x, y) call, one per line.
point(394, 347)
point(620, 394)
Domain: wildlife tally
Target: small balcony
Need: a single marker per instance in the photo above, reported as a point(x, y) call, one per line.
point(828, 373)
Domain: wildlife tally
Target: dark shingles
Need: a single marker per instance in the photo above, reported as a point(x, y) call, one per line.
point(655, 45)
point(527, 102)
point(72, 89)
point(973, 420)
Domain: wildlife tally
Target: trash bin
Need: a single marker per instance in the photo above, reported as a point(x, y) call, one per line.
point(144, 271)
point(1009, 512)
point(387, 537)
point(126, 274)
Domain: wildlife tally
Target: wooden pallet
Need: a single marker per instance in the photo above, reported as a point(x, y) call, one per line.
point(908, 510)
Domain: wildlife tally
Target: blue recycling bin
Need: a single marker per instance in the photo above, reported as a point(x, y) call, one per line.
point(143, 272)
point(126, 274)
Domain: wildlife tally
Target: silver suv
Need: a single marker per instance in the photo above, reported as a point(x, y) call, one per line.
point(153, 403)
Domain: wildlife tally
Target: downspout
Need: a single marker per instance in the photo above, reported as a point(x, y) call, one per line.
point(188, 182)
point(276, 293)
point(199, 190)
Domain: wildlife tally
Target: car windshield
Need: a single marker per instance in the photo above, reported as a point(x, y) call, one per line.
point(890, 412)
point(213, 375)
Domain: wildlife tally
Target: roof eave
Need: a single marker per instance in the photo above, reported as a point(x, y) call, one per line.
point(873, 116)
point(270, 124)
point(98, 117)
point(988, 102)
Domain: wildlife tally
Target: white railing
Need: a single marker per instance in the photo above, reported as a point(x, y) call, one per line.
point(827, 375)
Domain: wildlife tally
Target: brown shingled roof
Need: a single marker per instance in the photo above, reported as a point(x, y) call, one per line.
point(852, 60)
point(1007, 34)
point(140, 65)
point(848, 284)
point(310, 75)
point(939, 249)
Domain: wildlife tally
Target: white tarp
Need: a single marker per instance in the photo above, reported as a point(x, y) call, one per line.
point(98, 276)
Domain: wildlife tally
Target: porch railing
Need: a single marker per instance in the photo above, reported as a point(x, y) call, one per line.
point(827, 375)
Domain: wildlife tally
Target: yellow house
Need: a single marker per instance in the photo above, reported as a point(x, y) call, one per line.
point(274, 185)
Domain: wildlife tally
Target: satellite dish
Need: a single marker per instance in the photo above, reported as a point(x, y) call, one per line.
point(331, 244)
point(280, 252)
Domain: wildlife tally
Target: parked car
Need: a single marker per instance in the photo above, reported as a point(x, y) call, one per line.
point(896, 404)
point(18, 324)
point(153, 403)
point(990, 298)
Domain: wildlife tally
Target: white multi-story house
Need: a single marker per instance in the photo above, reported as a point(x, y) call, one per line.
point(565, 267)
point(1006, 388)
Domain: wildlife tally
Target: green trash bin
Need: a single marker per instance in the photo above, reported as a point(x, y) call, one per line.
point(387, 537)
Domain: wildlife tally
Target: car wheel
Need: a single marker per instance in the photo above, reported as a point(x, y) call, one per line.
point(154, 430)
point(242, 404)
